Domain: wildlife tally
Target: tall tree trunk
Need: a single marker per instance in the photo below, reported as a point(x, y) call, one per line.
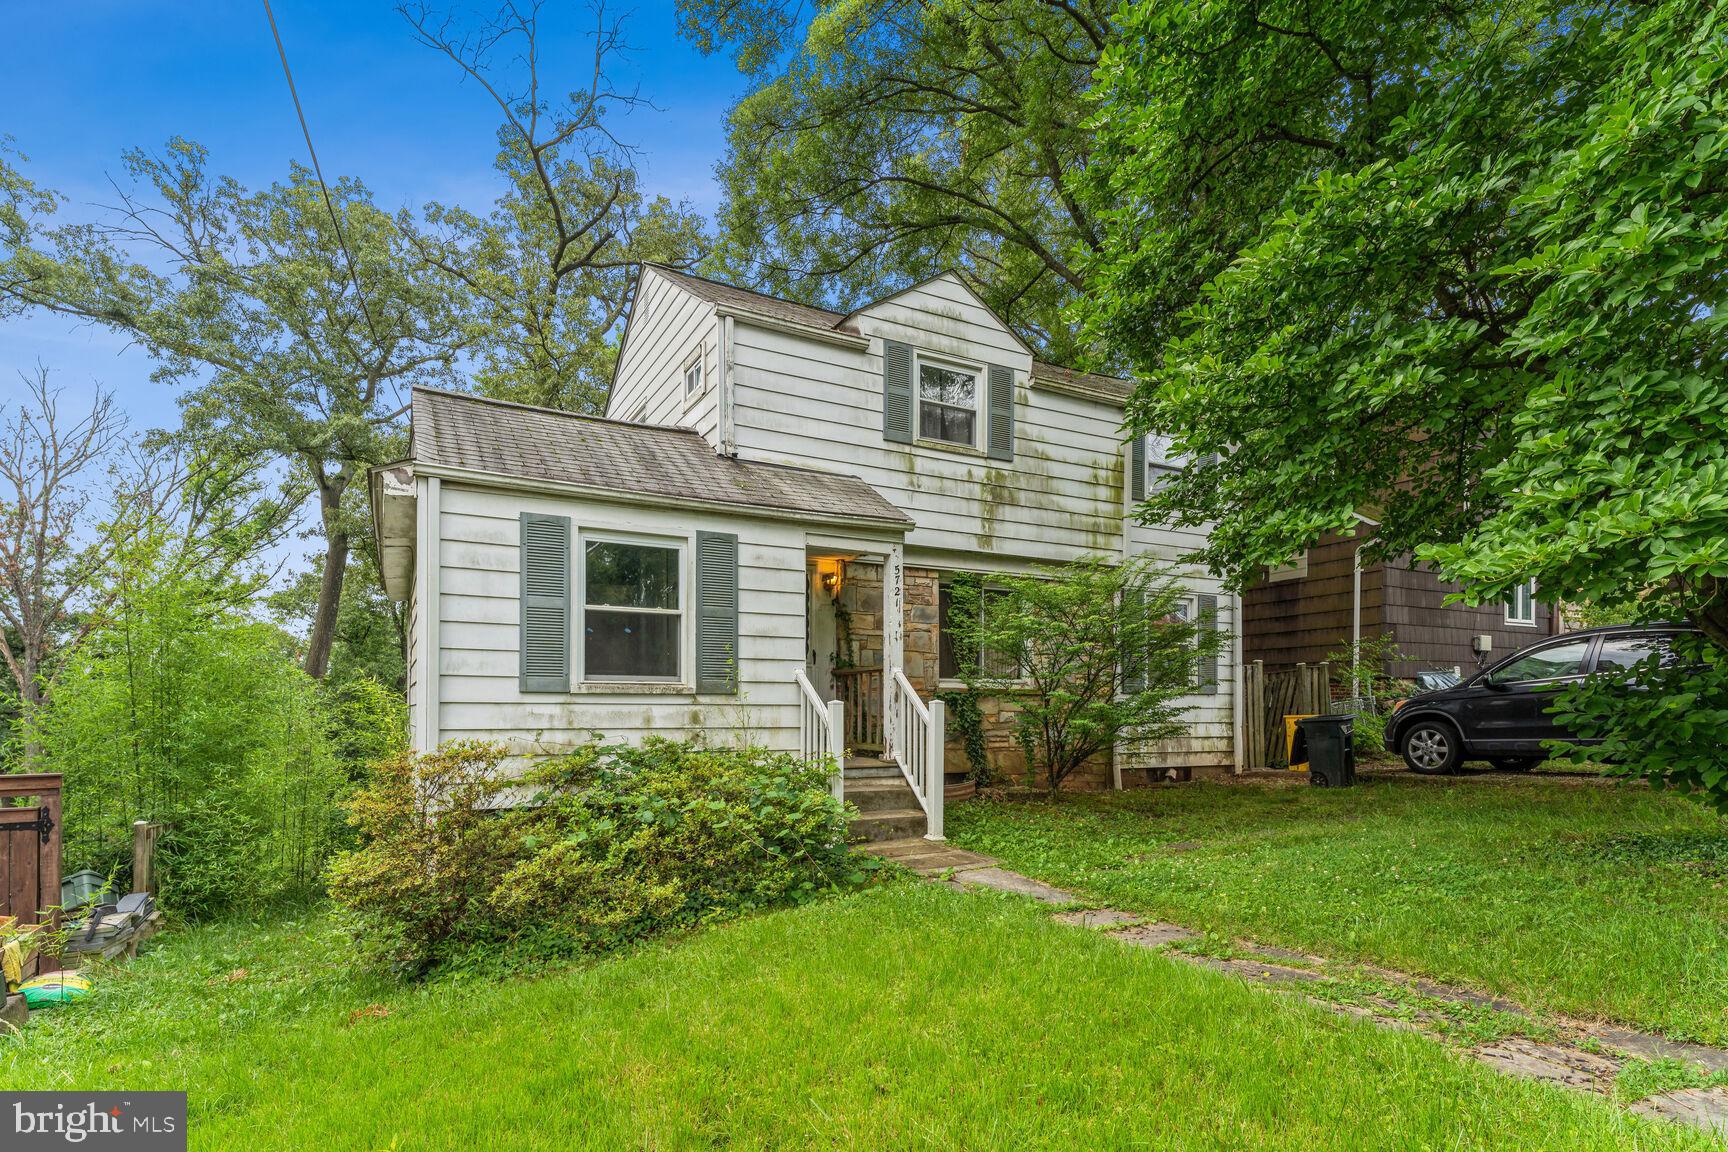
point(323, 637)
point(30, 708)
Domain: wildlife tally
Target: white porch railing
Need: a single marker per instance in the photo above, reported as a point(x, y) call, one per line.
point(822, 732)
point(915, 739)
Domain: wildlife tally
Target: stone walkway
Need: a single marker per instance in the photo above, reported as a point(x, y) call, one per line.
point(1580, 1055)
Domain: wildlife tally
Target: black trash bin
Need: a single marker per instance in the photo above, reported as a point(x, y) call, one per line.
point(1331, 744)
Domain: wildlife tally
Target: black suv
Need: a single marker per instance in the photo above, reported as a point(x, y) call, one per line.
point(1501, 714)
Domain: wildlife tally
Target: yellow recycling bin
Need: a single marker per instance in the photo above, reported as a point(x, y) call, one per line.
point(1292, 735)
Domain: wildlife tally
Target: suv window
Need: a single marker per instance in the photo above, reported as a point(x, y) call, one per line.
point(1544, 663)
point(1625, 651)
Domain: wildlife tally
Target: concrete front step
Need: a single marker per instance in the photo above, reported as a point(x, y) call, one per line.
point(889, 824)
point(880, 795)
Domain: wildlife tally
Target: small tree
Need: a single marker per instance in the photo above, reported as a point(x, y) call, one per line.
point(1095, 654)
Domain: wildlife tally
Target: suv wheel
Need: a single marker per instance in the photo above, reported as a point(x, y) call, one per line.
point(1432, 747)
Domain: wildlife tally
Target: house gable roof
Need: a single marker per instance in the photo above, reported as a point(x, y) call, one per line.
point(458, 431)
point(747, 300)
point(1110, 389)
point(956, 279)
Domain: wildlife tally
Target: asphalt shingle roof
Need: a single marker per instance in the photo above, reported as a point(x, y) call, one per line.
point(809, 316)
point(1110, 387)
point(455, 430)
point(744, 299)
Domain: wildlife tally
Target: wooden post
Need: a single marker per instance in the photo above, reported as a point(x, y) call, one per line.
point(893, 642)
point(145, 835)
point(938, 782)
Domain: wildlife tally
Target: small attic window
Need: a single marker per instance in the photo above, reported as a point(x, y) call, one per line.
point(693, 378)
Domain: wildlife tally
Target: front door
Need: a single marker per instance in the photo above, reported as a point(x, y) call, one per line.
point(1507, 710)
point(821, 627)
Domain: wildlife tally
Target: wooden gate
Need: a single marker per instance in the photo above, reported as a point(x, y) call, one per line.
point(30, 848)
point(1268, 697)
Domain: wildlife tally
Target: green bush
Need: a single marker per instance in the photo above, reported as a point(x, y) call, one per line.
point(1370, 732)
point(616, 843)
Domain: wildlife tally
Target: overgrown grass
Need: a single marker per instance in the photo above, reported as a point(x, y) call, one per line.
point(906, 1016)
point(1594, 900)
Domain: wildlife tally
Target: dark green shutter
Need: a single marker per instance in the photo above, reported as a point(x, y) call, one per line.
point(1133, 659)
point(1137, 469)
point(896, 392)
point(1001, 413)
point(1206, 671)
point(716, 612)
point(545, 597)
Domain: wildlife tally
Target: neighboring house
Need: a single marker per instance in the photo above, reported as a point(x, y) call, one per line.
point(1304, 613)
point(766, 523)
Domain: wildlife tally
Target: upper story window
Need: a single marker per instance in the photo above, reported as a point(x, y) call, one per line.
point(693, 377)
point(1162, 465)
point(1521, 604)
point(947, 403)
point(632, 610)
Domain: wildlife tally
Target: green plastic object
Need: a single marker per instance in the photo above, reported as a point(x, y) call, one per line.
point(54, 988)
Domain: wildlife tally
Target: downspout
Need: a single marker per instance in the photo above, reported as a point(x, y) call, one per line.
point(1356, 611)
point(724, 432)
point(1356, 622)
point(1238, 710)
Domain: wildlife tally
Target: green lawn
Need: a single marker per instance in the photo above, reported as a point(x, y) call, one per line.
point(907, 1016)
point(1571, 896)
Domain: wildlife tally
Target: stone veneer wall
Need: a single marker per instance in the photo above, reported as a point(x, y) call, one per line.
point(861, 644)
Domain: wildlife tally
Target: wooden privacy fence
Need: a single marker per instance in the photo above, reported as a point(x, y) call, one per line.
point(30, 848)
point(1268, 697)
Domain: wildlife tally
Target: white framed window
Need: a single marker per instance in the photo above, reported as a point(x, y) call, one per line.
point(1295, 570)
point(693, 377)
point(1521, 604)
point(948, 398)
point(1162, 464)
point(949, 658)
point(632, 597)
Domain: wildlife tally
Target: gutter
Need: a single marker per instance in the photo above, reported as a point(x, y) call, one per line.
point(774, 324)
point(533, 485)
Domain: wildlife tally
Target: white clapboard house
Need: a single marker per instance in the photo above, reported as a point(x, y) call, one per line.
point(757, 541)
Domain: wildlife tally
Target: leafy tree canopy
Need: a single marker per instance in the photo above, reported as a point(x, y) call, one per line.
point(887, 139)
point(1491, 320)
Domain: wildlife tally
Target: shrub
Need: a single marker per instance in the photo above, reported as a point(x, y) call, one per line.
point(1095, 655)
point(1370, 733)
point(434, 850)
point(615, 843)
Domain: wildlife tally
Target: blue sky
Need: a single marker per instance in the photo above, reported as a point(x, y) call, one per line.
point(83, 80)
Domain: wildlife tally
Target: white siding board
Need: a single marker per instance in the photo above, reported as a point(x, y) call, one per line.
point(480, 696)
point(667, 326)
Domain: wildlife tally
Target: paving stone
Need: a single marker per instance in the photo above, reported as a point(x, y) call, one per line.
point(1705, 1108)
point(1552, 1063)
point(1268, 952)
point(1002, 880)
point(1156, 935)
point(926, 857)
point(1649, 1047)
point(1097, 918)
point(1257, 971)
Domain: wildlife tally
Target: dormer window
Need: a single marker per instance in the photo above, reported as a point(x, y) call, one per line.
point(947, 403)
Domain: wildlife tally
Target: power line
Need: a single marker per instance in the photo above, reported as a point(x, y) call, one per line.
point(317, 171)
